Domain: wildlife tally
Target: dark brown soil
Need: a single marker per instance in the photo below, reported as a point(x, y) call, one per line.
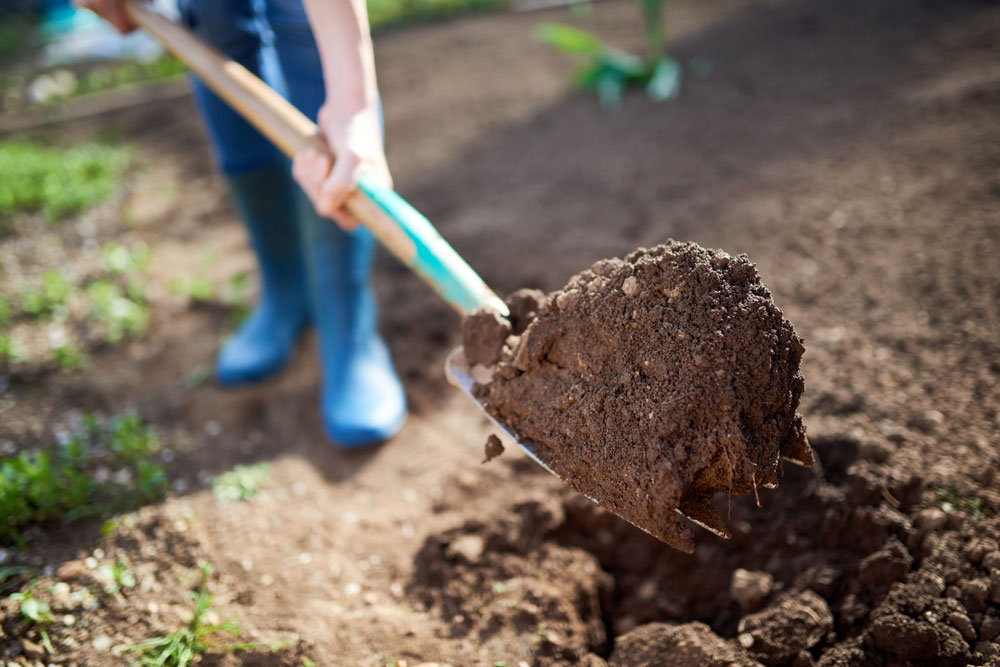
point(652, 383)
point(849, 148)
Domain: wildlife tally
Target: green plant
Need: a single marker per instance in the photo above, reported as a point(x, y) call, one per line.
point(11, 351)
point(6, 311)
point(196, 288)
point(180, 647)
point(121, 314)
point(118, 258)
point(117, 577)
point(608, 70)
point(949, 499)
point(45, 486)
point(58, 182)
point(36, 612)
point(131, 438)
point(69, 358)
point(240, 483)
point(49, 298)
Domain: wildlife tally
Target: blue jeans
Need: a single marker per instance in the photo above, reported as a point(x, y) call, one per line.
point(272, 37)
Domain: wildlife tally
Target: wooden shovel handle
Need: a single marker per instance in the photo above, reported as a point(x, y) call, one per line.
point(396, 224)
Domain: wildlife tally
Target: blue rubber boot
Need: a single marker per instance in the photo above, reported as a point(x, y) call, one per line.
point(362, 401)
point(264, 342)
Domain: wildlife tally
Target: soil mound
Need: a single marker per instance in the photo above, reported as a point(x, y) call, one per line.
point(650, 383)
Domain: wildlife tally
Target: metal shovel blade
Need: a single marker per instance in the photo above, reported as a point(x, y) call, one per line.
point(460, 375)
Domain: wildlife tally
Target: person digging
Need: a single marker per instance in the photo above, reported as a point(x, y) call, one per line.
point(312, 271)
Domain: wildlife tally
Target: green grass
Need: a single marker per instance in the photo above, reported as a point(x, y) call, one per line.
point(60, 485)
point(180, 647)
point(57, 182)
point(382, 13)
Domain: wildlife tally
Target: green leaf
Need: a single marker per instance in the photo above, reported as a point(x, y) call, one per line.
point(610, 87)
point(665, 83)
point(569, 40)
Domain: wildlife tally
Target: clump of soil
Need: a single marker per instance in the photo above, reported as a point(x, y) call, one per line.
point(650, 383)
point(493, 448)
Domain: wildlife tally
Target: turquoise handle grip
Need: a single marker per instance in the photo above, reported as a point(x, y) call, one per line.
point(431, 257)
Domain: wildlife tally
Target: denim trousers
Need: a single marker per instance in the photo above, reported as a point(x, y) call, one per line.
point(272, 39)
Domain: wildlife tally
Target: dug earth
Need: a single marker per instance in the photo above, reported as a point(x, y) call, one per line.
point(649, 383)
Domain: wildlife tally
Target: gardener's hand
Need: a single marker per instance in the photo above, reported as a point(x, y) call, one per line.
point(112, 11)
point(356, 140)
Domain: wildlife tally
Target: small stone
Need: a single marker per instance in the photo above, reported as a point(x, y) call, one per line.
point(470, 547)
point(352, 588)
point(90, 562)
point(991, 560)
point(746, 640)
point(70, 570)
point(493, 448)
point(101, 643)
point(750, 589)
point(629, 286)
point(32, 650)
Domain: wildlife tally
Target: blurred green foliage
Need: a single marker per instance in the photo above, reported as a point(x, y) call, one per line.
point(609, 71)
point(64, 484)
point(58, 182)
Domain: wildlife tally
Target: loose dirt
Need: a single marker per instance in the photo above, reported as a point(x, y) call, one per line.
point(650, 384)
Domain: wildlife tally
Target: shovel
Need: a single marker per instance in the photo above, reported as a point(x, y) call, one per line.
point(398, 226)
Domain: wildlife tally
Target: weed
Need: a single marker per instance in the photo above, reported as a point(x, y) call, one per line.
point(11, 350)
point(45, 486)
point(117, 258)
point(196, 288)
point(121, 314)
point(6, 311)
point(608, 70)
point(69, 358)
point(132, 439)
point(36, 612)
point(49, 298)
point(117, 577)
point(949, 499)
point(240, 483)
point(180, 647)
point(58, 182)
